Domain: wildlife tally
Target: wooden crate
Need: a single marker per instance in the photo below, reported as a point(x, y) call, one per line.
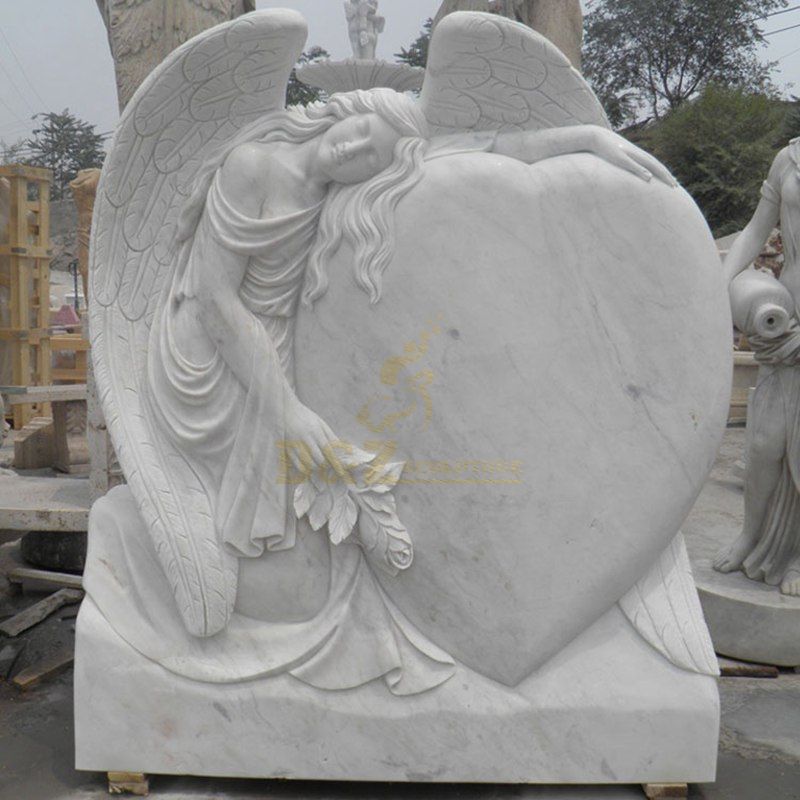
point(27, 279)
point(76, 343)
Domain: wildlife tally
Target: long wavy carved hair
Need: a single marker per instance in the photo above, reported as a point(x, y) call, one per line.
point(362, 214)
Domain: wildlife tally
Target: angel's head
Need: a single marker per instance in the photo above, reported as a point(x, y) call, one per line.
point(371, 131)
point(373, 152)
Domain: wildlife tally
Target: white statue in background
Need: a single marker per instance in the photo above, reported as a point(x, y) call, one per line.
point(768, 548)
point(364, 25)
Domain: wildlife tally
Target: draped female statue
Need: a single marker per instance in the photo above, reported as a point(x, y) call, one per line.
point(768, 548)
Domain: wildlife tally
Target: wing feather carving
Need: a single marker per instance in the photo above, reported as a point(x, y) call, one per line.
point(665, 610)
point(201, 95)
point(486, 72)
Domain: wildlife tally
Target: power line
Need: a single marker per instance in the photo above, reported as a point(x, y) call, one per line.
point(22, 69)
point(782, 11)
point(781, 30)
point(11, 110)
point(16, 88)
point(790, 53)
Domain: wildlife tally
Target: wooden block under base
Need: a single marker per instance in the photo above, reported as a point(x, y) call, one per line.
point(47, 668)
point(730, 668)
point(128, 783)
point(655, 791)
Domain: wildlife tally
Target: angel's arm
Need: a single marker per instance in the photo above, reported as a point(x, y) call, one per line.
point(232, 328)
point(749, 242)
point(236, 332)
point(533, 146)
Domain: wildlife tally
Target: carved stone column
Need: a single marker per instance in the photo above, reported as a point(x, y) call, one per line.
point(143, 34)
point(561, 21)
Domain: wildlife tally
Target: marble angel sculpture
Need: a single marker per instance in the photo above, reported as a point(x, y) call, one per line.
point(217, 216)
point(768, 547)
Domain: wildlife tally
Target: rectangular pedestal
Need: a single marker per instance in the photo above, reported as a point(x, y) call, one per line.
point(608, 709)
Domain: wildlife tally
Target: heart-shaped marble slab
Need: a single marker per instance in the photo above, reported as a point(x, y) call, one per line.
point(551, 355)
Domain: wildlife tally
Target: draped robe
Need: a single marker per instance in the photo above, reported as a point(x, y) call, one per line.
point(230, 436)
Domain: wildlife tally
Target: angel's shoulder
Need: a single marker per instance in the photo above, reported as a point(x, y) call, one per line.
point(245, 174)
point(247, 161)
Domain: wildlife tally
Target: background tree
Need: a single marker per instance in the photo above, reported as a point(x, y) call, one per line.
point(791, 123)
point(645, 57)
point(299, 93)
point(12, 153)
point(417, 53)
point(64, 144)
point(720, 147)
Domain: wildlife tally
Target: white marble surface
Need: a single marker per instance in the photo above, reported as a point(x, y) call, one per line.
point(424, 524)
point(575, 364)
point(608, 709)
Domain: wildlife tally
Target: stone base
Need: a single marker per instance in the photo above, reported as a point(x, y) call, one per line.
point(748, 620)
point(608, 709)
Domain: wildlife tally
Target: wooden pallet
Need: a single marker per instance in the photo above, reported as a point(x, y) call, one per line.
point(128, 783)
point(27, 278)
point(657, 791)
point(43, 442)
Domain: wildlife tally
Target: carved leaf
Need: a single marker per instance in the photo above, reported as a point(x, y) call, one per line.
point(388, 543)
point(384, 478)
point(304, 495)
point(320, 509)
point(342, 518)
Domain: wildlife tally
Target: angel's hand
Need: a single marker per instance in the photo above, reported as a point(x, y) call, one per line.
point(311, 435)
point(623, 154)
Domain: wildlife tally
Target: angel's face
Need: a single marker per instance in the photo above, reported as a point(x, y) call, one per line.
point(357, 148)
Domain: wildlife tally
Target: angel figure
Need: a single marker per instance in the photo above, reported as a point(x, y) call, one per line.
point(364, 25)
point(768, 547)
point(217, 215)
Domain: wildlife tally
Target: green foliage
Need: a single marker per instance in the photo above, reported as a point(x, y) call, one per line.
point(647, 57)
point(297, 92)
point(13, 153)
point(791, 122)
point(64, 144)
point(720, 147)
point(417, 53)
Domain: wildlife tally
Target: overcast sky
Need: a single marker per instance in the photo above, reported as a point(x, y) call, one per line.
point(54, 53)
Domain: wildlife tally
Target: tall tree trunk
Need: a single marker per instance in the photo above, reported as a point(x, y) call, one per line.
point(561, 21)
point(143, 33)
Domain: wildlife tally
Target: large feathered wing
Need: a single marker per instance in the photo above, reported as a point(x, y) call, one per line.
point(665, 610)
point(195, 101)
point(488, 73)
